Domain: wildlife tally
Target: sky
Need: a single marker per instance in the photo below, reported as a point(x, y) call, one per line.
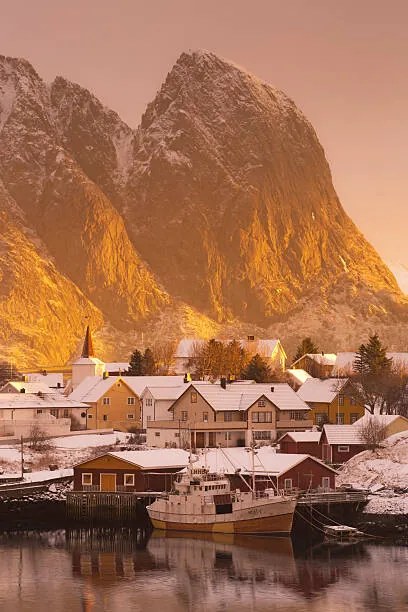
point(344, 63)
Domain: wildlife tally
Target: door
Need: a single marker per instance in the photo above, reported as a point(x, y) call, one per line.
point(108, 482)
point(211, 439)
point(200, 442)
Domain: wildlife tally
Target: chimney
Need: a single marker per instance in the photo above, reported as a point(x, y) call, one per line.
point(22, 390)
point(105, 375)
point(223, 382)
point(58, 385)
point(272, 389)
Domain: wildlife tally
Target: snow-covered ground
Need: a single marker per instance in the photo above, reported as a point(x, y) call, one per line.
point(64, 452)
point(384, 472)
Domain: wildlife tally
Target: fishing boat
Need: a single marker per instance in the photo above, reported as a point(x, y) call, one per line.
point(204, 502)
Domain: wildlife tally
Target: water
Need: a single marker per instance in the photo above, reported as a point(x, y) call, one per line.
point(92, 571)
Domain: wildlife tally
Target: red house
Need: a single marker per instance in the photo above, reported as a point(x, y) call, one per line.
point(305, 442)
point(130, 471)
point(341, 442)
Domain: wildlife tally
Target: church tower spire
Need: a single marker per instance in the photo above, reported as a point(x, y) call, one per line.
point(87, 349)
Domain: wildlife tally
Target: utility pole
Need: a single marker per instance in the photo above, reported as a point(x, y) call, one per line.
point(22, 458)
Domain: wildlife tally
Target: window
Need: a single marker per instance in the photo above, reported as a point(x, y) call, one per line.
point(262, 435)
point(341, 399)
point(227, 416)
point(205, 417)
point(177, 435)
point(261, 403)
point(193, 397)
point(296, 415)
point(184, 415)
point(89, 416)
point(130, 416)
point(287, 483)
point(157, 434)
point(343, 448)
point(105, 417)
point(86, 479)
point(131, 401)
point(106, 401)
point(262, 417)
point(83, 415)
point(54, 412)
point(321, 417)
point(326, 482)
point(149, 418)
point(39, 411)
point(353, 401)
point(129, 480)
point(354, 417)
point(340, 418)
point(148, 401)
point(227, 435)
point(66, 413)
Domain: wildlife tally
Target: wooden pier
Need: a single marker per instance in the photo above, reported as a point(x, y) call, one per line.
point(332, 497)
point(111, 507)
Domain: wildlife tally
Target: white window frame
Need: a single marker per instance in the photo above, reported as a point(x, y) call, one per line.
point(106, 401)
point(83, 478)
point(343, 448)
point(129, 484)
point(205, 417)
point(287, 486)
point(157, 434)
point(130, 416)
point(131, 401)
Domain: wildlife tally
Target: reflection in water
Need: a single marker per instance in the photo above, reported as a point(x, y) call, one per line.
point(108, 570)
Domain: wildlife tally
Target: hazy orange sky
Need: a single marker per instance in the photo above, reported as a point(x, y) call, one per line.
point(344, 62)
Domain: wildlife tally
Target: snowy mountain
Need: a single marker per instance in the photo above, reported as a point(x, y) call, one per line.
point(218, 212)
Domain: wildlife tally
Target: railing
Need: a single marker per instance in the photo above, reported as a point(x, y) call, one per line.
point(338, 497)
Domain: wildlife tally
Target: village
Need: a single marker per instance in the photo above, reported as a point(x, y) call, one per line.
point(311, 430)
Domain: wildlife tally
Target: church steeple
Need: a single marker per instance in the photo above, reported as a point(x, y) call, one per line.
point(87, 349)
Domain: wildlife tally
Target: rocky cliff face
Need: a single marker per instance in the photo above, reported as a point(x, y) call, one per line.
point(217, 212)
point(230, 176)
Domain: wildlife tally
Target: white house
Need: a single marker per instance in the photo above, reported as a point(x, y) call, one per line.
point(19, 412)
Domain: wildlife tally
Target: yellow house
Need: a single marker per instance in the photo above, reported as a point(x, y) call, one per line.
point(330, 401)
point(113, 403)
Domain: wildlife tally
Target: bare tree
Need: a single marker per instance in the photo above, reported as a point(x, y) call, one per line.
point(372, 431)
point(37, 438)
point(164, 355)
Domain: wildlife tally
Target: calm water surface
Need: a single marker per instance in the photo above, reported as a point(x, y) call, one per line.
point(113, 571)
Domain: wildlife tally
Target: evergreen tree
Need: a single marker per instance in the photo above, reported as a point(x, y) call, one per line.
point(135, 364)
point(257, 369)
point(149, 366)
point(306, 346)
point(371, 358)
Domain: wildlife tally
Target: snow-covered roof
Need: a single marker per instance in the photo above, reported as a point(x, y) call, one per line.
point(155, 458)
point(52, 379)
point(342, 434)
point(117, 366)
point(304, 436)
point(266, 460)
point(29, 387)
point(384, 419)
point(165, 393)
point(32, 400)
point(264, 346)
point(92, 388)
point(185, 347)
point(243, 396)
point(344, 361)
point(318, 390)
point(328, 359)
point(88, 361)
point(300, 376)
